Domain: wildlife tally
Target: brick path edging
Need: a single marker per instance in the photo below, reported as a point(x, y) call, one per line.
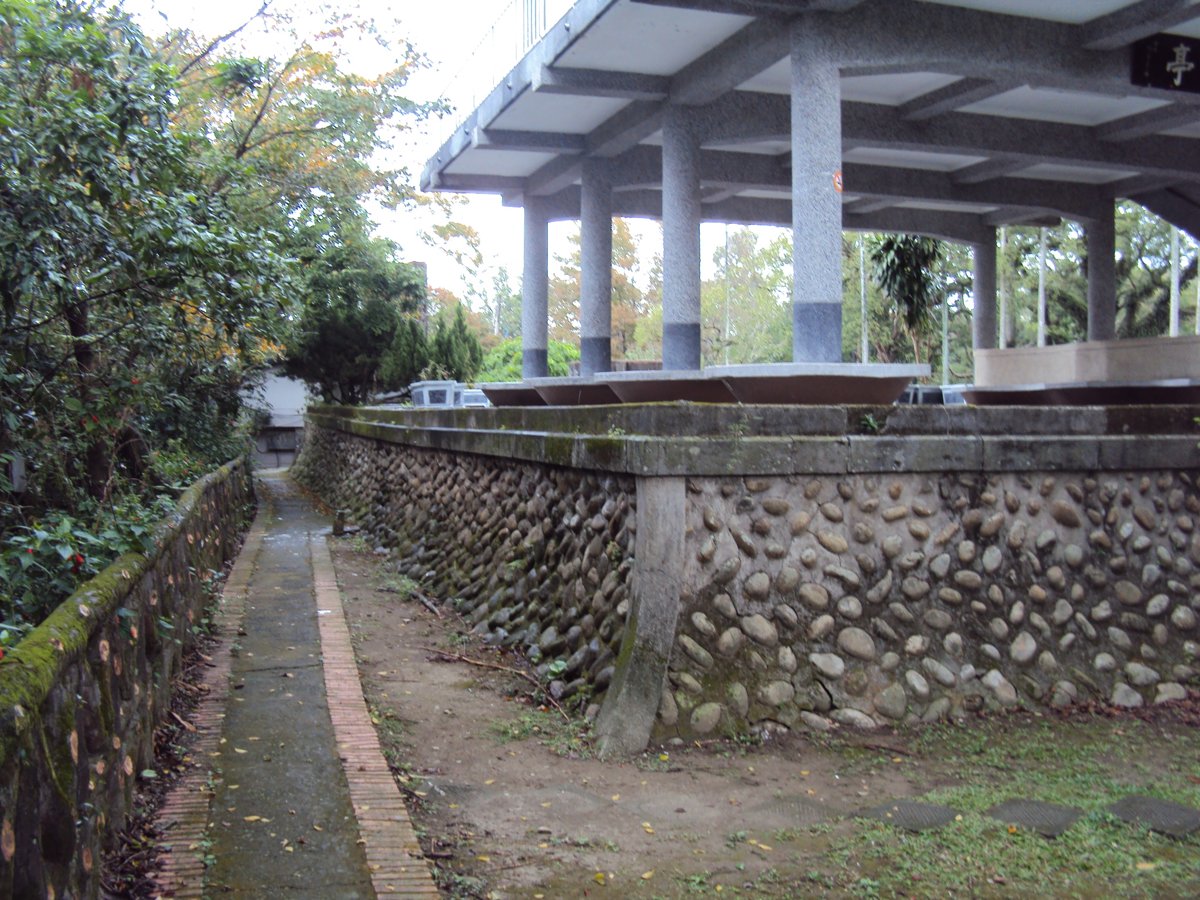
point(183, 817)
point(397, 865)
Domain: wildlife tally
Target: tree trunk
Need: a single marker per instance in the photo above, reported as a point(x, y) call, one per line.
point(97, 460)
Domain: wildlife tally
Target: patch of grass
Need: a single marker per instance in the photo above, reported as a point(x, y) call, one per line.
point(564, 738)
point(396, 583)
point(695, 883)
point(1086, 763)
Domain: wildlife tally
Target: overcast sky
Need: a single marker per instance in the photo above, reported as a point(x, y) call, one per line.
point(470, 45)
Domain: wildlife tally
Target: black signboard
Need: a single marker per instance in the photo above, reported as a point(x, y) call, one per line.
point(1167, 61)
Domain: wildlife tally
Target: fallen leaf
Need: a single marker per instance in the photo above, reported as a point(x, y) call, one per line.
point(483, 859)
point(599, 878)
point(1146, 866)
point(490, 781)
point(317, 827)
point(646, 876)
point(546, 805)
point(616, 797)
point(238, 750)
point(648, 828)
point(252, 818)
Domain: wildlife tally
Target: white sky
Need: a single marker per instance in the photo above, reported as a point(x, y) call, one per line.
point(470, 45)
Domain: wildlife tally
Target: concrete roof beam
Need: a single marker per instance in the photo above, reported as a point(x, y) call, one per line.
point(599, 83)
point(1123, 27)
point(756, 47)
point(952, 98)
point(1154, 121)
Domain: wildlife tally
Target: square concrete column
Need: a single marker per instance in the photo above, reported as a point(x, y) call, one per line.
point(681, 241)
point(535, 290)
point(1101, 277)
point(816, 200)
point(595, 296)
point(984, 293)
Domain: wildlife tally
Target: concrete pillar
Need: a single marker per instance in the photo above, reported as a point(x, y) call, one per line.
point(816, 200)
point(984, 292)
point(681, 241)
point(595, 297)
point(631, 703)
point(1101, 275)
point(535, 290)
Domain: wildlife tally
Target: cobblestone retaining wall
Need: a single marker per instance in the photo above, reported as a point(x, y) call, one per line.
point(81, 695)
point(837, 565)
point(883, 599)
point(537, 557)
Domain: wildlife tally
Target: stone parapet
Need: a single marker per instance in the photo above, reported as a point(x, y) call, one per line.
point(81, 695)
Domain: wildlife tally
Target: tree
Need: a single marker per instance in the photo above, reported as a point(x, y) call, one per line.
point(503, 362)
point(906, 267)
point(133, 302)
point(455, 351)
point(358, 295)
point(746, 309)
point(629, 304)
point(112, 269)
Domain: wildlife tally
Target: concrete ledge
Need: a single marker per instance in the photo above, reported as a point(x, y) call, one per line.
point(756, 440)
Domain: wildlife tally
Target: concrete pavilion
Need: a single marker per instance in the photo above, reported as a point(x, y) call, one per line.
point(940, 117)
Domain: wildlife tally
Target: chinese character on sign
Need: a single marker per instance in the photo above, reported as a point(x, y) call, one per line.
point(1180, 65)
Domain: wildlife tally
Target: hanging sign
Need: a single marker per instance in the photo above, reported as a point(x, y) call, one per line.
point(1167, 61)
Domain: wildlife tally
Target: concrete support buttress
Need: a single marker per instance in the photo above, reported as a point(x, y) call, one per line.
point(630, 707)
point(595, 300)
point(535, 290)
point(1101, 275)
point(984, 320)
point(816, 199)
point(681, 241)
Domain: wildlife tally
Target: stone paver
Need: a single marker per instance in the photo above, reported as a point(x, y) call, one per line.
point(911, 815)
point(301, 800)
point(1163, 816)
point(1047, 819)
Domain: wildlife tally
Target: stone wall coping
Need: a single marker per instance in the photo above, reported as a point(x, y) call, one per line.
point(29, 670)
point(742, 440)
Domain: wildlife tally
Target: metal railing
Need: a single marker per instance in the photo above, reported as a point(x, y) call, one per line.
point(518, 26)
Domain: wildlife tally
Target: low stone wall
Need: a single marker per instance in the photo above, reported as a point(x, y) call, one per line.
point(81, 695)
point(537, 557)
point(804, 566)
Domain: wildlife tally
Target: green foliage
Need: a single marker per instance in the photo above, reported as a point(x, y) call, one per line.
point(503, 362)
point(407, 357)
point(42, 562)
point(357, 298)
point(747, 307)
point(129, 302)
point(455, 351)
point(170, 210)
point(905, 266)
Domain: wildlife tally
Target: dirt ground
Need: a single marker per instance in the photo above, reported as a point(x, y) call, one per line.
point(510, 802)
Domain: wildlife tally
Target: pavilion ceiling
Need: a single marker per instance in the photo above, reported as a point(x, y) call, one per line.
point(957, 115)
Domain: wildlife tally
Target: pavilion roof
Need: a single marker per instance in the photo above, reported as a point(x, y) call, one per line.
point(956, 114)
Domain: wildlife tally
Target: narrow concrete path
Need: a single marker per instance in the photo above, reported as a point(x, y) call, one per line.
point(301, 801)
